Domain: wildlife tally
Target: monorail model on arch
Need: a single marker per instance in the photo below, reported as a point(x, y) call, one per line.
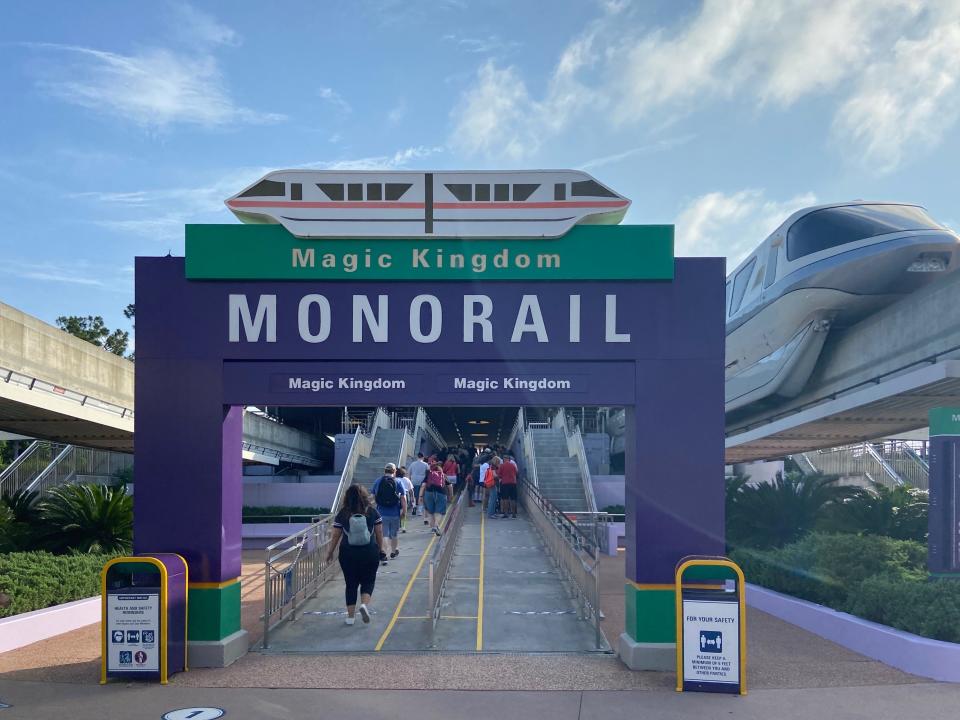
point(362, 204)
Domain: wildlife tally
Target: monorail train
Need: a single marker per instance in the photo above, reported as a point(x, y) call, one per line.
point(826, 267)
point(362, 204)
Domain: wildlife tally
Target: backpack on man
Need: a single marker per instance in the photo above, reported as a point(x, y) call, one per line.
point(387, 495)
point(436, 480)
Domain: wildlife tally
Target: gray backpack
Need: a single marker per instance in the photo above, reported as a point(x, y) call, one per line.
point(358, 532)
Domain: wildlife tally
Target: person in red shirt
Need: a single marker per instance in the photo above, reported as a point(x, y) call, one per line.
point(508, 487)
point(450, 470)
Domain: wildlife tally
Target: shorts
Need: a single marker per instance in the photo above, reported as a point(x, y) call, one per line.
point(435, 502)
point(451, 479)
point(391, 526)
point(508, 491)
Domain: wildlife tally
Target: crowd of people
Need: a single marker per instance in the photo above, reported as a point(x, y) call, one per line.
point(368, 525)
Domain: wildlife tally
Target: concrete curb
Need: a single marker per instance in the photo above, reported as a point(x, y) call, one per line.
point(911, 653)
point(27, 628)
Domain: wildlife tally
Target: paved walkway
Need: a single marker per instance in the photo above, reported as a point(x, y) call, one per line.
point(502, 595)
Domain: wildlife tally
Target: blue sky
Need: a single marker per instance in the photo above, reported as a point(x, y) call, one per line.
point(123, 121)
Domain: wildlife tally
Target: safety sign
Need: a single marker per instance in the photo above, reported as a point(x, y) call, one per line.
point(133, 621)
point(711, 641)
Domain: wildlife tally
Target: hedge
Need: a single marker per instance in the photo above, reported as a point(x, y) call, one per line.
point(874, 577)
point(255, 515)
point(36, 580)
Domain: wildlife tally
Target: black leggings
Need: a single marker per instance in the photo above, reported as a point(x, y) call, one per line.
point(359, 570)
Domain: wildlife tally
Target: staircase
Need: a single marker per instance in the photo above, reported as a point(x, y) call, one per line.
point(386, 449)
point(558, 474)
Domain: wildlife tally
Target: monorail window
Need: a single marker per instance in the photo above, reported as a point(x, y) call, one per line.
point(740, 283)
point(501, 192)
point(560, 191)
point(374, 191)
point(831, 227)
point(296, 191)
point(266, 188)
point(334, 191)
point(481, 192)
point(771, 265)
point(522, 191)
point(354, 191)
point(589, 188)
point(395, 191)
point(462, 192)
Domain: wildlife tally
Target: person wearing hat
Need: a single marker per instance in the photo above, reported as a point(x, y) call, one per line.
point(392, 505)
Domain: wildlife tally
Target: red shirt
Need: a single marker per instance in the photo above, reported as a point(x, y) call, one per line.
point(508, 473)
point(450, 467)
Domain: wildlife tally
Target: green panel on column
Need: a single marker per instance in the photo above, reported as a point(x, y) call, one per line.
point(651, 614)
point(214, 612)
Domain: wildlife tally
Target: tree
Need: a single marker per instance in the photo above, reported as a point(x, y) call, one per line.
point(899, 513)
point(94, 330)
point(774, 514)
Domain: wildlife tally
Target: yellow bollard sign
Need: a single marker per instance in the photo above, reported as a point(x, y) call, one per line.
point(711, 626)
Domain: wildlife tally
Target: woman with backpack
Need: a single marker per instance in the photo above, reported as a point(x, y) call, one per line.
point(434, 497)
point(358, 531)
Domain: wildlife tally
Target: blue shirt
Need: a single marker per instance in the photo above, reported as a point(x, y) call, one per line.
point(389, 511)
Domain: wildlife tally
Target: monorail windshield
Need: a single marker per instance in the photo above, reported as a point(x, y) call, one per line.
point(831, 227)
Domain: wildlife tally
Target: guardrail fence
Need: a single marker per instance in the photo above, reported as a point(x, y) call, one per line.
point(442, 555)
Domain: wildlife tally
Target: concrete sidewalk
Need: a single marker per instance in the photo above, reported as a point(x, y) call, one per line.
point(133, 702)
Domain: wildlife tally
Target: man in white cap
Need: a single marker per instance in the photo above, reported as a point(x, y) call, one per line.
point(391, 504)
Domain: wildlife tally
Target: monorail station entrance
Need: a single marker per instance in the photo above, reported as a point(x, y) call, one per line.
point(612, 319)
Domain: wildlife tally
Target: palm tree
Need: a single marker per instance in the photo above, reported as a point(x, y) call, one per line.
point(89, 519)
point(774, 514)
point(899, 513)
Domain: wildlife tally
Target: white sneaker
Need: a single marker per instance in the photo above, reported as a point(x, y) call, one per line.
point(349, 620)
point(364, 613)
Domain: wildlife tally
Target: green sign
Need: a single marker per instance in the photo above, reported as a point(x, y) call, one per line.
point(587, 252)
point(945, 421)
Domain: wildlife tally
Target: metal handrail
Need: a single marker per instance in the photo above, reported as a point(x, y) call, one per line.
point(424, 422)
point(576, 557)
point(295, 569)
point(884, 465)
point(576, 449)
point(442, 555)
point(12, 475)
point(74, 462)
point(36, 384)
point(518, 428)
point(280, 454)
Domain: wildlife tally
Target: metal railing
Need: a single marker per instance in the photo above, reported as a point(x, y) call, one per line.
point(442, 555)
point(30, 463)
point(286, 455)
point(424, 422)
point(519, 425)
point(575, 555)
point(889, 462)
point(42, 386)
point(575, 449)
point(295, 569)
point(530, 458)
point(73, 462)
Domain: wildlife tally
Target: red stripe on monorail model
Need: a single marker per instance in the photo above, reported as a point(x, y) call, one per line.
point(307, 204)
point(363, 204)
point(533, 205)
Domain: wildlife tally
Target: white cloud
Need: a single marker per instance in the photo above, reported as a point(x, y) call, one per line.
point(154, 89)
point(732, 225)
point(75, 274)
point(482, 45)
point(397, 113)
point(618, 71)
point(659, 146)
point(197, 26)
point(908, 100)
point(399, 160)
point(334, 98)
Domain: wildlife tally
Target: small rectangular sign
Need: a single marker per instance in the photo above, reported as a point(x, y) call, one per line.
point(133, 632)
point(587, 252)
point(944, 421)
point(711, 642)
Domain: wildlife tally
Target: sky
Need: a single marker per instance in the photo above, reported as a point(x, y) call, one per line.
point(123, 121)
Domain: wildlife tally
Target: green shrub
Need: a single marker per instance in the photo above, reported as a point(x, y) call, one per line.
point(615, 510)
point(899, 513)
point(930, 608)
point(874, 577)
point(35, 580)
point(87, 518)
